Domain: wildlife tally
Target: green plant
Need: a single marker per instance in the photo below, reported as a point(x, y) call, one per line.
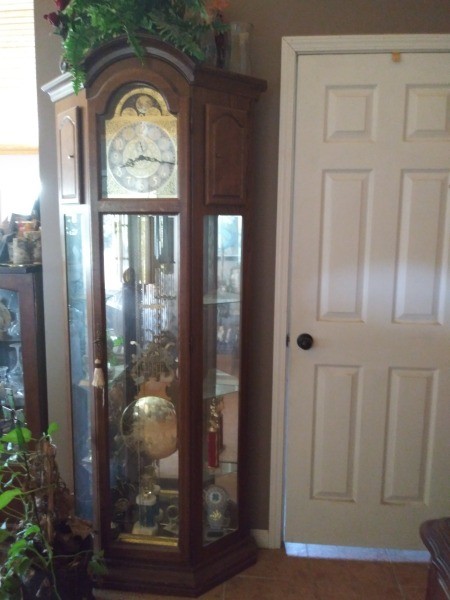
point(43, 545)
point(85, 24)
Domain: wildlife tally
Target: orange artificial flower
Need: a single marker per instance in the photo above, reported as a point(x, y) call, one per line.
point(213, 5)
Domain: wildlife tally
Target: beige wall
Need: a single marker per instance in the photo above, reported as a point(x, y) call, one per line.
point(48, 49)
point(271, 21)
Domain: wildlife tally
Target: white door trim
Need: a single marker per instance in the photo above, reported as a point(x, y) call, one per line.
point(292, 48)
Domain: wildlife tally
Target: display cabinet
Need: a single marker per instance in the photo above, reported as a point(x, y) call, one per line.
point(23, 386)
point(154, 169)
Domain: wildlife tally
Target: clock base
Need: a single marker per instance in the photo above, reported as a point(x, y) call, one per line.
point(176, 578)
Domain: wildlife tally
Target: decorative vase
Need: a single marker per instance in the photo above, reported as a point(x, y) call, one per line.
point(240, 47)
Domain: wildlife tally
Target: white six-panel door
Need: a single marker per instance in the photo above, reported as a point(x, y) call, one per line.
point(368, 406)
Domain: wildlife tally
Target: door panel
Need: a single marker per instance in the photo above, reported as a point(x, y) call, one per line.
point(420, 292)
point(367, 446)
point(343, 236)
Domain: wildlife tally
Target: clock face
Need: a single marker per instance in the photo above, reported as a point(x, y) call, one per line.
point(141, 157)
point(216, 497)
point(139, 146)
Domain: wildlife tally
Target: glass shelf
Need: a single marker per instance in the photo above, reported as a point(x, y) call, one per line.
point(220, 297)
point(219, 383)
point(224, 468)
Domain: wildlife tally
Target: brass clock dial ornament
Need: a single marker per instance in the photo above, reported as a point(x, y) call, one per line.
point(141, 153)
point(142, 157)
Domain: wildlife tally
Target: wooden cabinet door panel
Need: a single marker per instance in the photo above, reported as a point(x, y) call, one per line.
point(226, 155)
point(68, 132)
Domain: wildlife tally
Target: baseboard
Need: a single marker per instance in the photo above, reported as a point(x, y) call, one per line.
point(261, 537)
point(355, 553)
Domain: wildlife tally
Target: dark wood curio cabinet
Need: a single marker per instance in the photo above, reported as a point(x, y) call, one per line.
point(154, 171)
point(23, 384)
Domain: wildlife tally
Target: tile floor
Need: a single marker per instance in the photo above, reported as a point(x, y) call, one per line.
point(277, 576)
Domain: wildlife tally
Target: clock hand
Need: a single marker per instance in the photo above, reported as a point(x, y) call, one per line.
point(132, 161)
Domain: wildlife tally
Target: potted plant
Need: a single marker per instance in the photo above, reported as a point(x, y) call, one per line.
point(84, 25)
point(46, 551)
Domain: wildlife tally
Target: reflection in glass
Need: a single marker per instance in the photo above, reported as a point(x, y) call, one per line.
point(4, 384)
point(12, 392)
point(12, 304)
point(76, 253)
point(221, 360)
point(141, 274)
point(15, 375)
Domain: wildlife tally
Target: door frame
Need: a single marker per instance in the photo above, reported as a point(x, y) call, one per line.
point(291, 49)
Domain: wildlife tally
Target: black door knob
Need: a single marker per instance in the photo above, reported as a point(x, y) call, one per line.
point(305, 341)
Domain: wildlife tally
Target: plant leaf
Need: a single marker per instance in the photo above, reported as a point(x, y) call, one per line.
point(8, 496)
point(86, 24)
point(16, 548)
point(4, 535)
point(52, 428)
point(30, 530)
point(14, 436)
point(97, 565)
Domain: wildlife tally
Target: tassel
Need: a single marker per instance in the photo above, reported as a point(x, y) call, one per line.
point(213, 448)
point(98, 380)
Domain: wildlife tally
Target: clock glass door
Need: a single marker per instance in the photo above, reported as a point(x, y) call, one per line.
point(138, 146)
point(141, 293)
point(77, 268)
point(221, 372)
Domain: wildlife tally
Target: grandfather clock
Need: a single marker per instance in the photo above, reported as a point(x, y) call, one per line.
point(154, 183)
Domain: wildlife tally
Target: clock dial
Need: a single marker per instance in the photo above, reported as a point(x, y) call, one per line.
point(216, 497)
point(142, 157)
point(140, 148)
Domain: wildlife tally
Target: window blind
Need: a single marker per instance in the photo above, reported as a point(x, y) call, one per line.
point(18, 97)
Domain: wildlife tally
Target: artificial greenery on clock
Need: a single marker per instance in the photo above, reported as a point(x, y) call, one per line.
point(86, 24)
